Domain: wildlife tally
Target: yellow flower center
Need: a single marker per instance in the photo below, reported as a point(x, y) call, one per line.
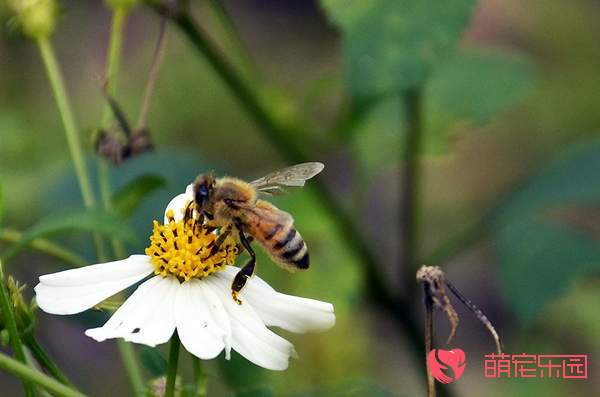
point(188, 249)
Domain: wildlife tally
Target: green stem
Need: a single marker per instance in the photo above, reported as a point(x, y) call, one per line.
point(248, 98)
point(134, 373)
point(31, 375)
point(64, 108)
point(409, 209)
point(172, 368)
point(66, 114)
point(233, 39)
point(113, 62)
point(45, 246)
point(42, 357)
point(8, 317)
point(200, 378)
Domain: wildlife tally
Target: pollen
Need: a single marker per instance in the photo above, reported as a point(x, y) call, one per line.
point(189, 249)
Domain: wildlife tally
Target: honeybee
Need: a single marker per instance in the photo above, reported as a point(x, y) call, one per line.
point(233, 206)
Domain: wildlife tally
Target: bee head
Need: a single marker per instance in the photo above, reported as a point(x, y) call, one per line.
point(203, 188)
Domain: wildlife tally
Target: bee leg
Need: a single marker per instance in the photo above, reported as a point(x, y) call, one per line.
point(240, 247)
point(220, 240)
point(245, 272)
point(189, 211)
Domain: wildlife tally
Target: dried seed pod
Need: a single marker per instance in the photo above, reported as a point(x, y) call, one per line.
point(435, 283)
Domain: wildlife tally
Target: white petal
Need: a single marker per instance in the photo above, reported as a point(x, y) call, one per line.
point(289, 312)
point(250, 337)
point(178, 204)
point(202, 323)
point(147, 316)
point(73, 291)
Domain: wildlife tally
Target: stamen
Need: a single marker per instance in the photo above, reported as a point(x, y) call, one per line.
point(188, 248)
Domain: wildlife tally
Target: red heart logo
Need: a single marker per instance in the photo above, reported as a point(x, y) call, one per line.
point(446, 366)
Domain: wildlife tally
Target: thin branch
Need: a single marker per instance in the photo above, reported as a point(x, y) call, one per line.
point(113, 59)
point(158, 58)
point(63, 103)
point(117, 112)
point(42, 357)
point(478, 313)
point(24, 372)
point(231, 34)
point(66, 113)
point(45, 246)
point(428, 339)
point(409, 194)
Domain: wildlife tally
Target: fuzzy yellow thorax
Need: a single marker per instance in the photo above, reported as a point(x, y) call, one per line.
point(186, 249)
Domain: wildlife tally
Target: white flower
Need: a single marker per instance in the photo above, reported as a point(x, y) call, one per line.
point(189, 292)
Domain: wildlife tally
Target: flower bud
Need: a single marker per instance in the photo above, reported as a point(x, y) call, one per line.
point(24, 313)
point(158, 386)
point(36, 17)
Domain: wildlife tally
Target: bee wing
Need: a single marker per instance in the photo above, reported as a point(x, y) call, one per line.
point(296, 175)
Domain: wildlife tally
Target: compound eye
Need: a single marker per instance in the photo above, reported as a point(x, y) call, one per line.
point(203, 191)
point(201, 195)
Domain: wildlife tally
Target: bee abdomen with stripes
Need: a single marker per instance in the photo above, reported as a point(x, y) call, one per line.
point(288, 248)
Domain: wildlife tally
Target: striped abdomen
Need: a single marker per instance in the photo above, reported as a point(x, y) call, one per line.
point(287, 247)
point(274, 230)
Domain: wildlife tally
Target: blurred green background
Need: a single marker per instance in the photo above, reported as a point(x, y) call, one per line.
point(509, 184)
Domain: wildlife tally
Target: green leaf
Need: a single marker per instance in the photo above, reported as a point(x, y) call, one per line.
point(153, 361)
point(390, 45)
point(90, 220)
point(130, 196)
point(540, 255)
point(472, 88)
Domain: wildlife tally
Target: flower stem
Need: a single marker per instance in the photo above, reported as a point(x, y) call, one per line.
point(159, 56)
point(200, 378)
point(45, 246)
point(113, 62)
point(8, 316)
point(64, 107)
point(428, 340)
point(172, 368)
point(244, 92)
point(24, 372)
point(42, 357)
point(132, 367)
point(66, 114)
point(409, 215)
point(233, 39)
